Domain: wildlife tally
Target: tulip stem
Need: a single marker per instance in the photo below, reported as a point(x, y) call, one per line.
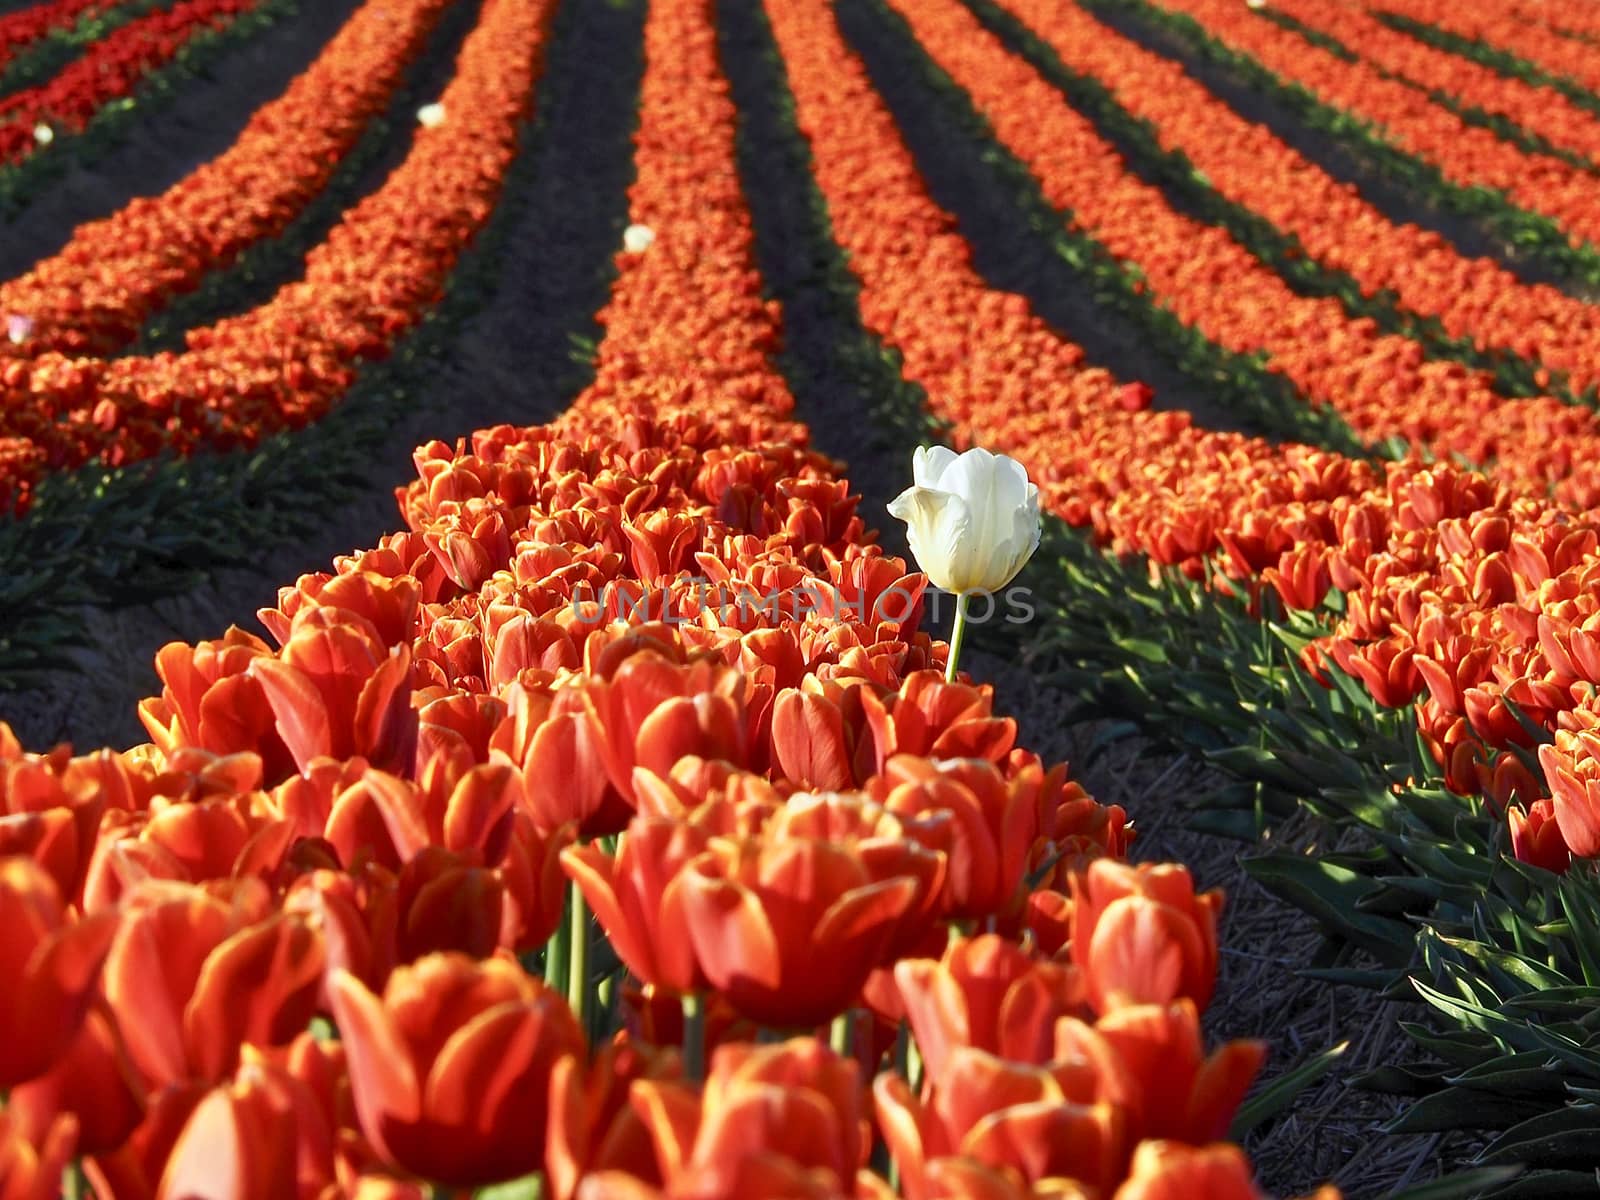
point(72, 1182)
point(841, 1035)
point(958, 634)
point(694, 1037)
point(578, 960)
point(555, 956)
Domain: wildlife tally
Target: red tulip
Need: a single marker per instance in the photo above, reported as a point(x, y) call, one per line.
point(451, 1067)
point(1536, 836)
point(29, 1169)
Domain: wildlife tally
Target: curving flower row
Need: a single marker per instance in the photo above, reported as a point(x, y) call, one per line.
point(285, 363)
point(1473, 298)
point(1507, 29)
point(1461, 595)
point(93, 296)
point(21, 29)
point(1541, 111)
point(1382, 385)
point(1467, 155)
point(650, 648)
point(109, 69)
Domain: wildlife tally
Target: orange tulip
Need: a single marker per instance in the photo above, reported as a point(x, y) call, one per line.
point(193, 975)
point(638, 896)
point(988, 994)
point(592, 1126)
point(1142, 935)
point(50, 963)
point(451, 1067)
point(1041, 1121)
point(31, 1169)
point(788, 930)
point(1572, 765)
point(1150, 1063)
point(1175, 1171)
point(771, 1121)
point(93, 1082)
point(1536, 836)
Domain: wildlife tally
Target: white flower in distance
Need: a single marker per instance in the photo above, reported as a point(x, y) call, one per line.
point(18, 328)
point(636, 239)
point(431, 116)
point(972, 519)
point(1255, 3)
point(43, 134)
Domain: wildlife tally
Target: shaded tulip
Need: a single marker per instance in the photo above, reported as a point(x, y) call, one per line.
point(31, 1169)
point(1536, 836)
point(1175, 1171)
point(450, 1068)
point(592, 1125)
point(50, 963)
point(1041, 1121)
point(986, 993)
point(1572, 767)
point(93, 1082)
point(770, 1120)
point(972, 519)
point(1150, 1063)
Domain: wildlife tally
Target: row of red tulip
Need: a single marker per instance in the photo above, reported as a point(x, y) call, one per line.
point(659, 617)
point(1473, 298)
point(285, 363)
point(108, 70)
point(20, 30)
point(1503, 29)
point(1540, 111)
point(93, 296)
point(1382, 385)
point(1467, 155)
point(1459, 593)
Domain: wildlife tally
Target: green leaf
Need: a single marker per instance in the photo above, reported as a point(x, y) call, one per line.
point(529, 1187)
point(1567, 1137)
point(1331, 894)
point(1274, 1098)
point(1463, 1185)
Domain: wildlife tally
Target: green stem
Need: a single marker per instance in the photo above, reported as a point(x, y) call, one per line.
point(578, 961)
point(555, 956)
point(72, 1182)
point(841, 1034)
point(913, 1066)
point(958, 634)
point(694, 1037)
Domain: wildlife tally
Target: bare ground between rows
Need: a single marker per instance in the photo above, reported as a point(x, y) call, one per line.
point(511, 361)
point(162, 147)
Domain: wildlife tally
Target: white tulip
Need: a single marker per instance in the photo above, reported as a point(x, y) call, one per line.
point(43, 134)
point(431, 116)
point(1255, 3)
point(18, 328)
point(972, 519)
point(636, 239)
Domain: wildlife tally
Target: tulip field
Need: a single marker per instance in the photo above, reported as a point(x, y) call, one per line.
point(551, 552)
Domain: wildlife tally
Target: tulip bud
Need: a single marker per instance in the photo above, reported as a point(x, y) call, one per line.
point(431, 116)
point(972, 519)
point(636, 239)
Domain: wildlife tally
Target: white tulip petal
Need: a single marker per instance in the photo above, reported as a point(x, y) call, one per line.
point(929, 464)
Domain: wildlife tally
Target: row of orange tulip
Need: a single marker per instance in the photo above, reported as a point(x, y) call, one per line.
point(93, 295)
point(1540, 111)
point(1467, 155)
point(366, 822)
point(22, 29)
point(1473, 298)
point(1459, 593)
point(109, 69)
point(1505, 29)
point(285, 363)
point(1382, 385)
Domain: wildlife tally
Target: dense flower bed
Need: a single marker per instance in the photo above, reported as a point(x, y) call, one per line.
point(1472, 297)
point(109, 69)
point(1509, 30)
point(94, 294)
point(651, 647)
point(1467, 84)
point(1458, 594)
point(1381, 384)
point(282, 365)
point(20, 30)
point(1466, 154)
